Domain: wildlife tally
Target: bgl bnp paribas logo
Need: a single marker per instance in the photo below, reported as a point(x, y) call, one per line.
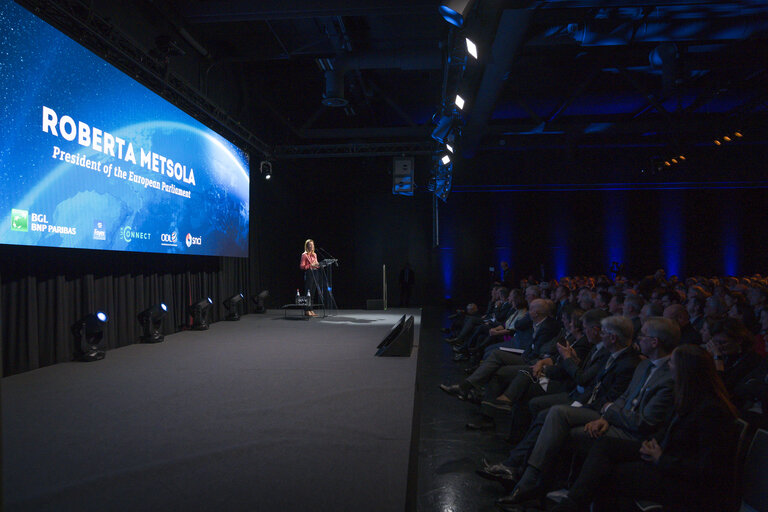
point(127, 234)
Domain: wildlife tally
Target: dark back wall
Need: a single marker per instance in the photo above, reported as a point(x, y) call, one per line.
point(686, 232)
point(346, 205)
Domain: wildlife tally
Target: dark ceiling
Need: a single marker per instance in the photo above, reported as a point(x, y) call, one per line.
point(669, 75)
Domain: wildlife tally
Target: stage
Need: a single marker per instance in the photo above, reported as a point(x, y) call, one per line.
point(266, 413)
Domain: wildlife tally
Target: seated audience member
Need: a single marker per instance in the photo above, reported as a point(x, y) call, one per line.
point(507, 331)
point(732, 348)
point(602, 300)
point(670, 297)
point(751, 396)
point(561, 300)
point(633, 304)
point(695, 307)
point(523, 331)
point(761, 340)
point(714, 307)
point(498, 316)
point(641, 409)
point(457, 319)
point(616, 304)
point(650, 309)
point(746, 315)
point(617, 363)
point(757, 296)
point(546, 376)
point(687, 467)
point(679, 314)
point(544, 328)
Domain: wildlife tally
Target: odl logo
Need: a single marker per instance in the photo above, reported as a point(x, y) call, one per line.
point(193, 240)
point(169, 238)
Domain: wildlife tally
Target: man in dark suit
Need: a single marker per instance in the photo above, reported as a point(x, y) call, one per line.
point(545, 329)
point(646, 404)
point(678, 313)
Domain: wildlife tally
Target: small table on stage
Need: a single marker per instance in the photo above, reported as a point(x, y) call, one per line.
point(301, 308)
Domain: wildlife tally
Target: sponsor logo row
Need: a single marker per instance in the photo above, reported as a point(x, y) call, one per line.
point(24, 221)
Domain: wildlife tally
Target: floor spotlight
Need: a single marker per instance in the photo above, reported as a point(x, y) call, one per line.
point(151, 320)
point(232, 306)
point(199, 312)
point(89, 332)
point(259, 301)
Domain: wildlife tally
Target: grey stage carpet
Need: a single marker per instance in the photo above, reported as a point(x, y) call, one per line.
point(262, 414)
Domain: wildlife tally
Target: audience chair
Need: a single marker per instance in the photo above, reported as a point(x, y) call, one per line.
point(755, 475)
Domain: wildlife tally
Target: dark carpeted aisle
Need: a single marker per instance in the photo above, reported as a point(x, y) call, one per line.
point(262, 414)
point(448, 452)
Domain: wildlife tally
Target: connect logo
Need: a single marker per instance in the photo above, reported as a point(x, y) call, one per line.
point(99, 233)
point(127, 234)
point(169, 239)
point(193, 240)
point(19, 220)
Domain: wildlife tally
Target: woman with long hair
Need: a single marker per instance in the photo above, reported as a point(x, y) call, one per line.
point(311, 267)
point(688, 466)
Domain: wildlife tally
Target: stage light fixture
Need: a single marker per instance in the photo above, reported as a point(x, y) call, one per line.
point(199, 312)
point(727, 139)
point(681, 157)
point(446, 159)
point(717, 142)
point(232, 306)
point(259, 301)
point(667, 163)
point(444, 128)
point(459, 102)
point(449, 147)
point(737, 134)
point(265, 167)
point(151, 320)
point(89, 332)
point(674, 160)
point(455, 11)
point(471, 47)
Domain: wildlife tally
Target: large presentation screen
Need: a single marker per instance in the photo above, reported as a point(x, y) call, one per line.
point(92, 159)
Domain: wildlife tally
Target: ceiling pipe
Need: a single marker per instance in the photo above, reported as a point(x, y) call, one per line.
point(510, 35)
point(334, 74)
point(608, 34)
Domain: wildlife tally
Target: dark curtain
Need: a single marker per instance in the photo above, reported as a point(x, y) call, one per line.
point(45, 290)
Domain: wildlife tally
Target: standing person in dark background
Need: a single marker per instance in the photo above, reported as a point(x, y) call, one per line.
point(311, 269)
point(407, 279)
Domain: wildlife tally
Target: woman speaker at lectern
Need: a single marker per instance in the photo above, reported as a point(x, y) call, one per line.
point(311, 269)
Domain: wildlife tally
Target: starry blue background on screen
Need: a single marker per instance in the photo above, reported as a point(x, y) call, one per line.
point(84, 202)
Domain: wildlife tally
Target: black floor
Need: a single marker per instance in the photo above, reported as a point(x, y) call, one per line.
point(448, 452)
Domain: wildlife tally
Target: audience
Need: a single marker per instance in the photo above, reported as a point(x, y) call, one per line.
point(644, 377)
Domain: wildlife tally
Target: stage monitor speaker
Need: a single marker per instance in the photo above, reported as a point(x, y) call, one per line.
point(374, 304)
point(401, 343)
point(393, 332)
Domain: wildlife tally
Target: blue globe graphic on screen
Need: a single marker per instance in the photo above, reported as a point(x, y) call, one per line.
point(212, 171)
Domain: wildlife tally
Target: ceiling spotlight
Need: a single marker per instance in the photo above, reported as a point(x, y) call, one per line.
point(199, 311)
point(717, 142)
point(459, 102)
point(727, 139)
point(151, 320)
point(737, 134)
point(231, 305)
point(446, 159)
point(89, 332)
point(455, 11)
point(449, 147)
point(471, 47)
point(674, 160)
point(667, 163)
point(266, 169)
point(445, 127)
point(681, 157)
